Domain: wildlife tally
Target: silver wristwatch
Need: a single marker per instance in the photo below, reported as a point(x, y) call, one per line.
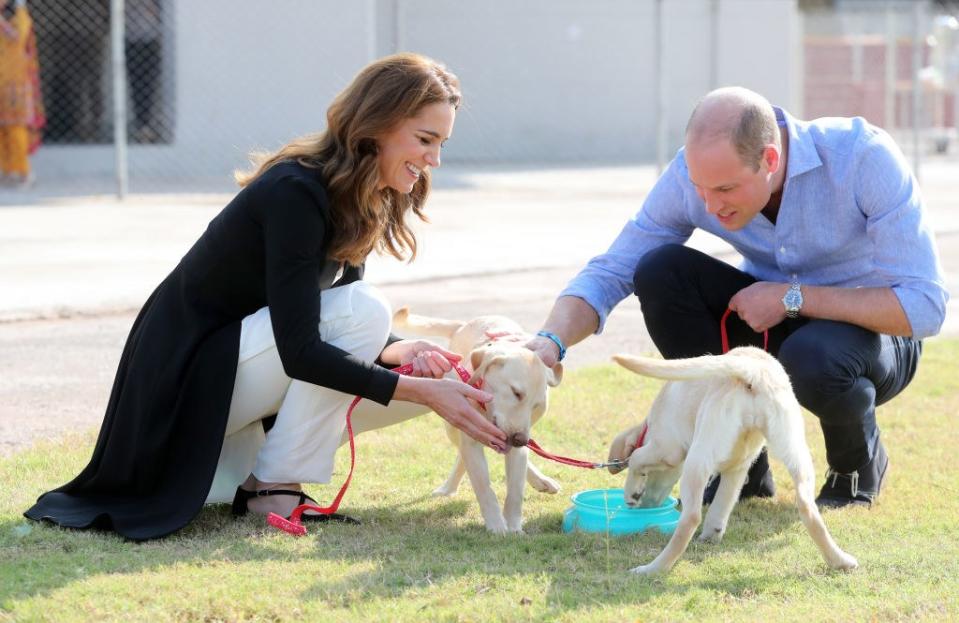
point(792, 301)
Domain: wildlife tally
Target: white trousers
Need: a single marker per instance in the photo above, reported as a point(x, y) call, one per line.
point(311, 420)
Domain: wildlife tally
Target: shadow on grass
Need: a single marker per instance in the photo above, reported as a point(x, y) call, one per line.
point(572, 561)
point(406, 547)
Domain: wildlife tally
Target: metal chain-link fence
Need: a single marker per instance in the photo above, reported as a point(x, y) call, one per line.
point(612, 81)
point(73, 44)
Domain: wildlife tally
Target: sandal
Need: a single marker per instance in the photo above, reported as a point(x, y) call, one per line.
point(243, 496)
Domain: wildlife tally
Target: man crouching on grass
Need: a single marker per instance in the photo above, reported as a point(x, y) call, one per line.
point(839, 266)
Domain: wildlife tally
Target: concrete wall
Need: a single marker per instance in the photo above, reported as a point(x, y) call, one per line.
point(545, 81)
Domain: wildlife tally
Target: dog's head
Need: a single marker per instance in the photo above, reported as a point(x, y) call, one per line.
point(650, 474)
point(519, 382)
point(648, 484)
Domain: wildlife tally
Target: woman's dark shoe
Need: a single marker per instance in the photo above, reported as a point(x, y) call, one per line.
point(860, 487)
point(240, 498)
point(243, 496)
point(759, 481)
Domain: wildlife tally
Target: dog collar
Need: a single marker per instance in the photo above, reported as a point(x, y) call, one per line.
point(642, 436)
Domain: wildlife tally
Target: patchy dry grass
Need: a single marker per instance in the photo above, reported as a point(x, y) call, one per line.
point(418, 558)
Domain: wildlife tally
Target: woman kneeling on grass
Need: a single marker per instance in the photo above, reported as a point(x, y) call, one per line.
point(267, 314)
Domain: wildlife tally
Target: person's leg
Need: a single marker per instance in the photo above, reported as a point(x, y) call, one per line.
point(143, 74)
point(262, 387)
point(310, 419)
point(684, 294)
point(258, 391)
point(4, 151)
point(152, 67)
point(18, 150)
point(135, 80)
point(841, 372)
point(310, 422)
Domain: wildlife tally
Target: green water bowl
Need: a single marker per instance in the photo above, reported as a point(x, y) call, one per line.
point(605, 510)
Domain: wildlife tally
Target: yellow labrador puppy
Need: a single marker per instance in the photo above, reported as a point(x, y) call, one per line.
point(715, 415)
point(519, 382)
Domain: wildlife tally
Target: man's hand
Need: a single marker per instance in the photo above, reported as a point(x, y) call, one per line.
point(428, 359)
point(507, 336)
point(760, 305)
point(545, 348)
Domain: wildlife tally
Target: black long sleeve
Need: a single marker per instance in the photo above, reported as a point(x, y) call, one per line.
point(295, 229)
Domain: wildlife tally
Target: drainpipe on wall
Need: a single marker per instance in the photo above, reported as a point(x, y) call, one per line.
point(119, 79)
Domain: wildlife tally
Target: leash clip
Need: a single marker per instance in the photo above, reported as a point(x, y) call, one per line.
point(612, 463)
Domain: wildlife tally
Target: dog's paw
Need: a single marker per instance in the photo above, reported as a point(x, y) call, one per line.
point(496, 528)
point(443, 492)
point(711, 535)
point(844, 562)
point(646, 570)
point(546, 485)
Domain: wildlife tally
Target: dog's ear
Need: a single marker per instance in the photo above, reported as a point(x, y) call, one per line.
point(476, 357)
point(554, 375)
point(482, 359)
point(400, 316)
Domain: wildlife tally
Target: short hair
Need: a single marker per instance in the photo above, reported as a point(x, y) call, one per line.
point(756, 129)
point(749, 131)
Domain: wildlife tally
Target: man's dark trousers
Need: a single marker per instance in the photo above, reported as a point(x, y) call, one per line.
point(840, 372)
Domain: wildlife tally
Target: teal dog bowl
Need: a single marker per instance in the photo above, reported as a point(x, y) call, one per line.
point(605, 510)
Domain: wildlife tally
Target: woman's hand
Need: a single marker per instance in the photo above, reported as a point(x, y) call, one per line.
point(451, 401)
point(428, 359)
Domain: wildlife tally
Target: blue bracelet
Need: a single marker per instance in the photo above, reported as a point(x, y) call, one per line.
point(555, 339)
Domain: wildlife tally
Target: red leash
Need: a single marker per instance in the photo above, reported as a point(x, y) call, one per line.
point(294, 525)
point(642, 435)
point(532, 445)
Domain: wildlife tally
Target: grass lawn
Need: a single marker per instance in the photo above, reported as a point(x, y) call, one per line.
point(417, 558)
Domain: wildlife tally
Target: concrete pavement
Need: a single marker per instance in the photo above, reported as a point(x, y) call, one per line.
point(73, 271)
point(92, 255)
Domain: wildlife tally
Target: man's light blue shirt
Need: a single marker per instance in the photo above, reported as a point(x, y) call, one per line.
point(851, 216)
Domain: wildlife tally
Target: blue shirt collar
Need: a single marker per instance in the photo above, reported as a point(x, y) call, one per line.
point(802, 156)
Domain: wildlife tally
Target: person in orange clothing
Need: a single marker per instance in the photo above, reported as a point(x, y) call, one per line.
point(21, 108)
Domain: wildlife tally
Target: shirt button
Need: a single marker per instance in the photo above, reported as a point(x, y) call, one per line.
point(782, 249)
point(795, 276)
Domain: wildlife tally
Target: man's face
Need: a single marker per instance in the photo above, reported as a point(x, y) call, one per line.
point(733, 192)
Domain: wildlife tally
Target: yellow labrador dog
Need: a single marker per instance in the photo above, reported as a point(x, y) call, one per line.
point(715, 415)
point(519, 382)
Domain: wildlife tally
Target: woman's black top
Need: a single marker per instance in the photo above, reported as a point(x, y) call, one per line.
point(157, 451)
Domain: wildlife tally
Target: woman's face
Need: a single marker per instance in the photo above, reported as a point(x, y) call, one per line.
point(414, 145)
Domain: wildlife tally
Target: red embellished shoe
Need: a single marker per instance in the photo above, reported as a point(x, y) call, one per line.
point(243, 496)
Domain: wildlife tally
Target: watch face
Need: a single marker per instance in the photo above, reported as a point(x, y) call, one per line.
point(793, 299)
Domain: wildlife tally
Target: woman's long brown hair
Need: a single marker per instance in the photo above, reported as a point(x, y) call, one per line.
point(382, 95)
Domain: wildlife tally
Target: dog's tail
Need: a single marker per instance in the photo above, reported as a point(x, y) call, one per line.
point(745, 363)
point(423, 326)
